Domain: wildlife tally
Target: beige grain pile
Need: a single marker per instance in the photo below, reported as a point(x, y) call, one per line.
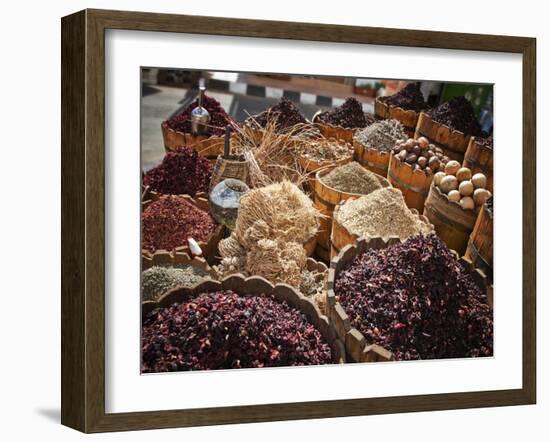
point(381, 213)
point(273, 224)
point(352, 178)
point(320, 150)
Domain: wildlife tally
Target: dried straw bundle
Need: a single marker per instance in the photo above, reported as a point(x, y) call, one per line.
point(272, 154)
point(273, 224)
point(279, 211)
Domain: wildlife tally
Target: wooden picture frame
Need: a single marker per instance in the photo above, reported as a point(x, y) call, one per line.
point(83, 216)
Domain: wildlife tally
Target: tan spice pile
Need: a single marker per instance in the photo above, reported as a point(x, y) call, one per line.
point(352, 178)
point(382, 213)
point(325, 150)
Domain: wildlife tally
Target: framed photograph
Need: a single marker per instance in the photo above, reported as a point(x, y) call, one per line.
point(267, 221)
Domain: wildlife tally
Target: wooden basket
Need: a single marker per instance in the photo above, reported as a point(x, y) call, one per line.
point(479, 158)
point(453, 142)
point(357, 347)
point(371, 159)
point(256, 285)
point(325, 199)
point(210, 247)
point(233, 167)
point(164, 258)
point(337, 132)
point(407, 118)
point(150, 195)
point(414, 184)
point(341, 237)
point(480, 245)
point(208, 146)
point(452, 223)
point(312, 166)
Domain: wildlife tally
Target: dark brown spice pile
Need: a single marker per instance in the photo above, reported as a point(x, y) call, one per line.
point(457, 114)
point(167, 223)
point(349, 115)
point(408, 98)
point(219, 118)
point(226, 330)
point(183, 171)
point(285, 113)
point(417, 301)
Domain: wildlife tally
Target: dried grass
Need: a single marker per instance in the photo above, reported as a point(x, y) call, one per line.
point(271, 154)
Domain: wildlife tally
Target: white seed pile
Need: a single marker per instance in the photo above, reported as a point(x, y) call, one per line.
point(382, 213)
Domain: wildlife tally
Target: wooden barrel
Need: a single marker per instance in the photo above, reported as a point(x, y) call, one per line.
point(311, 167)
point(414, 184)
point(480, 244)
point(325, 199)
point(479, 158)
point(453, 142)
point(357, 346)
point(256, 285)
point(340, 236)
point(336, 132)
point(371, 159)
point(452, 223)
point(209, 147)
point(407, 118)
point(210, 247)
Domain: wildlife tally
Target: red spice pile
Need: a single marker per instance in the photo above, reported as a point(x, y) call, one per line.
point(417, 301)
point(225, 330)
point(183, 171)
point(219, 118)
point(167, 223)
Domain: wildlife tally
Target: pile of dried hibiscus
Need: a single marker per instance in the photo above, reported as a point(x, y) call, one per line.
point(226, 330)
point(417, 301)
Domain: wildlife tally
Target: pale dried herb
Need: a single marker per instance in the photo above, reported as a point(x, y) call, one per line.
point(352, 178)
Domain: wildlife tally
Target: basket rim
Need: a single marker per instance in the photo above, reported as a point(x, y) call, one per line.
point(391, 106)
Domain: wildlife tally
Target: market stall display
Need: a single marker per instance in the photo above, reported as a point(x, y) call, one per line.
point(236, 323)
point(177, 131)
point(235, 238)
point(382, 213)
point(450, 127)
point(342, 121)
point(409, 300)
point(404, 106)
point(373, 145)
